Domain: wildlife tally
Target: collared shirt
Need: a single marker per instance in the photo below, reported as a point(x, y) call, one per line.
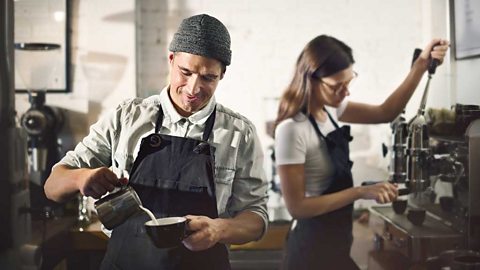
point(240, 181)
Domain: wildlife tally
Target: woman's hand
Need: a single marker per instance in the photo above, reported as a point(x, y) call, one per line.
point(436, 49)
point(383, 192)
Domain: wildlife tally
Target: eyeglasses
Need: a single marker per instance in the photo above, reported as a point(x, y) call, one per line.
point(339, 87)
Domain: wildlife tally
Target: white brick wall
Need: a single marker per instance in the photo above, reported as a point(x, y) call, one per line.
point(267, 37)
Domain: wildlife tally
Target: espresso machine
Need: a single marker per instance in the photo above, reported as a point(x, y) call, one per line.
point(397, 166)
point(441, 172)
point(449, 195)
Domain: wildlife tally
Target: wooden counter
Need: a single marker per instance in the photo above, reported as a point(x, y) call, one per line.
point(49, 243)
point(89, 237)
point(274, 239)
point(63, 241)
point(83, 247)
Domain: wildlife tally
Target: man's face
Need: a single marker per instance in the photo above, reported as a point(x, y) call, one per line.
point(193, 80)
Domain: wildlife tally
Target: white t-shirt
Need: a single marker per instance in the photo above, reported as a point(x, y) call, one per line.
point(297, 143)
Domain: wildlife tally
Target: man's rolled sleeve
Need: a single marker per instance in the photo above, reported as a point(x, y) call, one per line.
point(249, 191)
point(95, 150)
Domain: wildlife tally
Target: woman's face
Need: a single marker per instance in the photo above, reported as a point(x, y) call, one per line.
point(333, 89)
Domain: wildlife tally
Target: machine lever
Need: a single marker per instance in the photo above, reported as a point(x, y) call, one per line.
point(401, 191)
point(416, 54)
point(384, 150)
point(433, 63)
point(433, 66)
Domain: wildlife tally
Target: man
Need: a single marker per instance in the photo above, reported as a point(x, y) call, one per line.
point(186, 155)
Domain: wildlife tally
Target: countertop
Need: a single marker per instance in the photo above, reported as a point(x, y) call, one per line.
point(91, 237)
point(64, 239)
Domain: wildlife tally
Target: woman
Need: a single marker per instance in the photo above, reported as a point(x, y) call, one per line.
point(312, 152)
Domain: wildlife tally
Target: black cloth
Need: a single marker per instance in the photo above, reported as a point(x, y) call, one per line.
point(173, 176)
point(324, 241)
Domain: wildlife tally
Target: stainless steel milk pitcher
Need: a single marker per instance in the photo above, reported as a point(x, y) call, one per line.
point(117, 207)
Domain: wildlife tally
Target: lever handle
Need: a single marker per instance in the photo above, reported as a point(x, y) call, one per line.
point(433, 66)
point(416, 54)
point(384, 150)
point(401, 191)
point(369, 183)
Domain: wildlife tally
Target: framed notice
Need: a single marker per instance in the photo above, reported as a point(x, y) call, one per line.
point(465, 19)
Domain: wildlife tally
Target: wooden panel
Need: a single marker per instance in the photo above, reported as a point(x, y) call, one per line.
point(273, 239)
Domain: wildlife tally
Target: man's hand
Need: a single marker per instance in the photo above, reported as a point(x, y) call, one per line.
point(64, 182)
point(206, 232)
point(96, 182)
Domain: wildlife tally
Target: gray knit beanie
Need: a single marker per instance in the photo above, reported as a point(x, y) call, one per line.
point(203, 35)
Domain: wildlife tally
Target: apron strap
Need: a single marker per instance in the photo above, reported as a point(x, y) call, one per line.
point(331, 118)
point(208, 124)
point(315, 125)
point(158, 123)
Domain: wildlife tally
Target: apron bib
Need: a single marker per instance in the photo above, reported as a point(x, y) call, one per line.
point(324, 241)
point(173, 176)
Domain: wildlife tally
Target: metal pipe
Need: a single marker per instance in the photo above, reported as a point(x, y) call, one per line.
point(421, 110)
point(7, 99)
point(7, 121)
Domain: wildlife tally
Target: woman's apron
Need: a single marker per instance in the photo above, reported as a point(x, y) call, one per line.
point(173, 176)
point(324, 241)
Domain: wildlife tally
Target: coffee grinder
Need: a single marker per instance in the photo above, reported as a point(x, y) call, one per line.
point(41, 123)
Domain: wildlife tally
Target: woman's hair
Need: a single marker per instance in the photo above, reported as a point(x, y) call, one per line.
point(322, 56)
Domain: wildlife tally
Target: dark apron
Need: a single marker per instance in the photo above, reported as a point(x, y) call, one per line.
point(324, 241)
point(173, 176)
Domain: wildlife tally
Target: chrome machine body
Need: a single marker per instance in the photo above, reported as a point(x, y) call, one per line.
point(397, 167)
point(445, 177)
point(442, 173)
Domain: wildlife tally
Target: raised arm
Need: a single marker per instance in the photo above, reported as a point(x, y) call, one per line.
point(356, 112)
